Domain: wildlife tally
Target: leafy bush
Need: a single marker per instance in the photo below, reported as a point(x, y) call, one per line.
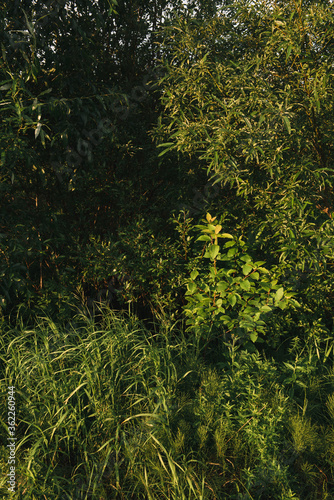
point(248, 98)
point(233, 295)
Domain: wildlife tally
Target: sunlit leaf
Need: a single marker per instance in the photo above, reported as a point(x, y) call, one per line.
point(246, 269)
point(214, 251)
point(279, 294)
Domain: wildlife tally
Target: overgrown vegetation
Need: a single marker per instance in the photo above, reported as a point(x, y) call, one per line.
point(117, 411)
point(166, 243)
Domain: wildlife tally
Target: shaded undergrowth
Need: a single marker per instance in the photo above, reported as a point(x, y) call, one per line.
point(115, 410)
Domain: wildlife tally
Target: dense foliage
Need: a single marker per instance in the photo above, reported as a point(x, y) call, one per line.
point(118, 411)
point(235, 294)
point(251, 95)
point(166, 243)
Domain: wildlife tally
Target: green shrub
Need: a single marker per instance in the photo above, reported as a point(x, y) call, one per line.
point(233, 294)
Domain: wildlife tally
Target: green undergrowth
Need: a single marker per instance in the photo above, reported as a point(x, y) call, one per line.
point(115, 410)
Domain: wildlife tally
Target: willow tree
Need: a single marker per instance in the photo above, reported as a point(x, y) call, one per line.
point(249, 95)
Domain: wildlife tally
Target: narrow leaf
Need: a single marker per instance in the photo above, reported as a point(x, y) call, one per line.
point(29, 25)
point(227, 235)
point(287, 123)
point(38, 129)
point(248, 123)
point(169, 144)
point(279, 294)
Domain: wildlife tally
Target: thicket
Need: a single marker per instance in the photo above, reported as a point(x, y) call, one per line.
point(172, 165)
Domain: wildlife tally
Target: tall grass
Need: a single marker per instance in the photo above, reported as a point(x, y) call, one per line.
point(116, 411)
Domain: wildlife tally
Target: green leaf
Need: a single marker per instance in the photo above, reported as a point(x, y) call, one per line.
point(43, 137)
point(279, 294)
point(246, 269)
point(246, 258)
point(204, 237)
point(221, 286)
point(168, 148)
point(263, 270)
point(265, 309)
point(38, 129)
point(191, 287)
point(225, 319)
point(194, 274)
point(249, 125)
point(232, 300)
point(229, 244)
point(232, 252)
point(226, 235)
point(287, 123)
point(288, 52)
point(253, 336)
point(29, 25)
point(245, 285)
point(214, 251)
